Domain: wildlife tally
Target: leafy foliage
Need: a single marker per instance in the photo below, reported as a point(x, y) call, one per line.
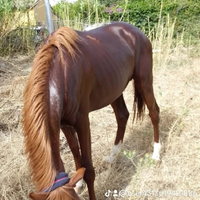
point(143, 14)
point(22, 4)
point(5, 7)
point(8, 7)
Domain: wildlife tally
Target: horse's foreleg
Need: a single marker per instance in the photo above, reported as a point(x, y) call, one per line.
point(74, 146)
point(122, 115)
point(83, 131)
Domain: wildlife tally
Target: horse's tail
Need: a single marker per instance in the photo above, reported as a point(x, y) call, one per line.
point(36, 107)
point(138, 105)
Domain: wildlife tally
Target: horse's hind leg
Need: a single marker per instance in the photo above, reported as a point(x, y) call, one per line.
point(122, 115)
point(144, 84)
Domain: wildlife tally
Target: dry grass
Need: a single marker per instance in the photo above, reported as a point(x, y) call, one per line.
point(177, 86)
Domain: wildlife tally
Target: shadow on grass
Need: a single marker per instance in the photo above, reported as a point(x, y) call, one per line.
point(138, 138)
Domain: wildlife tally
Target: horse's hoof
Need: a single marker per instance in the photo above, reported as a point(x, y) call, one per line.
point(156, 157)
point(158, 163)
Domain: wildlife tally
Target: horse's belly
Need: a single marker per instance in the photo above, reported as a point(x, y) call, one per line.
point(105, 94)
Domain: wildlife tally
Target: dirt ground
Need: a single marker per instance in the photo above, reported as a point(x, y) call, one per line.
point(133, 175)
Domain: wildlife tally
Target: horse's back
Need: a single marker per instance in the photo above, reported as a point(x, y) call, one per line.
point(110, 53)
point(117, 30)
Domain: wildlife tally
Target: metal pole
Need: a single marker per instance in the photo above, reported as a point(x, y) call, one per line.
point(48, 16)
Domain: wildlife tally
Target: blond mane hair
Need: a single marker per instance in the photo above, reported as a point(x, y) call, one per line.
point(36, 105)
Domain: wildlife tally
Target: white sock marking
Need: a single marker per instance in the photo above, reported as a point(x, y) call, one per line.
point(79, 186)
point(115, 151)
point(156, 151)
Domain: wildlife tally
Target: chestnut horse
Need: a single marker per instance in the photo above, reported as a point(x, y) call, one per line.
point(73, 74)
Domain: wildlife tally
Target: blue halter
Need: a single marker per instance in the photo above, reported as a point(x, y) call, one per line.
point(60, 180)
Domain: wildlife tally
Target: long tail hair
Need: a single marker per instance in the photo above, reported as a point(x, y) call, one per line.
point(36, 106)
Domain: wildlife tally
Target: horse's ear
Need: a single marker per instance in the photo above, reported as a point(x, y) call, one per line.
point(77, 177)
point(40, 196)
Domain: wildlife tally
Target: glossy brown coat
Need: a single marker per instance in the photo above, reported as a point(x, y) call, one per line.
point(73, 74)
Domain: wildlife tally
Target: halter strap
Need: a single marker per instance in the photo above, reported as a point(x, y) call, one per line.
point(60, 180)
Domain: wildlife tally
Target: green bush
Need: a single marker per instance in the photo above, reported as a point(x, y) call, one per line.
point(144, 14)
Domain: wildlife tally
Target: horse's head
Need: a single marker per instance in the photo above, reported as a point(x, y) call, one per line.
point(69, 192)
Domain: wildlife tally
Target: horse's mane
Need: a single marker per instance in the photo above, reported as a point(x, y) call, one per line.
point(36, 106)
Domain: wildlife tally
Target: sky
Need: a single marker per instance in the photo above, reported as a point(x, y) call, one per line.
point(54, 2)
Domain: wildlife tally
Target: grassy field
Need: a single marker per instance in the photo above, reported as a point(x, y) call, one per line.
point(176, 85)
